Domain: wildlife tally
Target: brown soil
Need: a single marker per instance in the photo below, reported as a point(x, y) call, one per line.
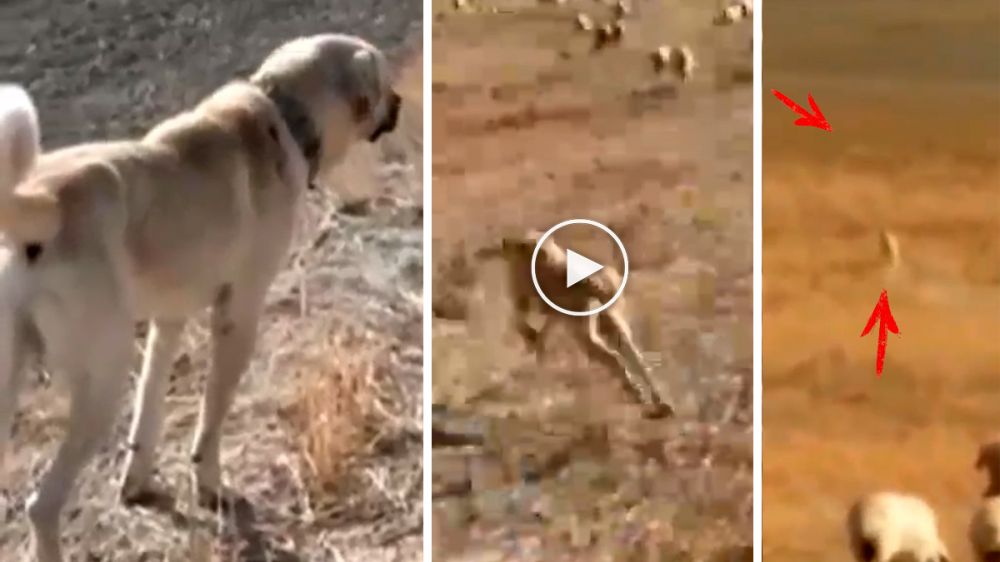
point(532, 128)
point(341, 341)
point(912, 92)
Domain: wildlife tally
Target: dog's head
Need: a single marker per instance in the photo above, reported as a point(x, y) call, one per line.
point(334, 90)
point(522, 244)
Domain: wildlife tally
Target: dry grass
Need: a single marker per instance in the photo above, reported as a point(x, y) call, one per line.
point(832, 430)
point(340, 411)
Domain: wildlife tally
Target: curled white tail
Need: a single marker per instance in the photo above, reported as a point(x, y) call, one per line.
point(19, 136)
point(28, 217)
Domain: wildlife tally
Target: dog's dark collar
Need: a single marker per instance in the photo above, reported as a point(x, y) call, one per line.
point(300, 124)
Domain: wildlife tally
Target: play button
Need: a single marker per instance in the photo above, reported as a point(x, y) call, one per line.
point(579, 268)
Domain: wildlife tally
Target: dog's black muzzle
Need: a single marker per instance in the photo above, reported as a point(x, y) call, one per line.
point(388, 124)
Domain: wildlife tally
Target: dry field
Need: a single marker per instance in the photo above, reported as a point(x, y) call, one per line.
point(323, 447)
point(912, 92)
point(531, 128)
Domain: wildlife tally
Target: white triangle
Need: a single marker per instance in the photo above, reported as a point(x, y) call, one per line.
point(579, 268)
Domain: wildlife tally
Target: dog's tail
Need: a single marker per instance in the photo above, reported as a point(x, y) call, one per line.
point(29, 216)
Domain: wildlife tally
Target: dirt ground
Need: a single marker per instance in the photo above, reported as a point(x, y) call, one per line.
point(913, 95)
point(530, 128)
point(323, 447)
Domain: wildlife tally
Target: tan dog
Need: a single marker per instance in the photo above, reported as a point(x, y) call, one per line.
point(605, 336)
point(199, 213)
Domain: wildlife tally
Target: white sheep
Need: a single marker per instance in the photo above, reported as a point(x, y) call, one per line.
point(885, 526)
point(584, 22)
point(984, 530)
point(680, 60)
point(735, 12)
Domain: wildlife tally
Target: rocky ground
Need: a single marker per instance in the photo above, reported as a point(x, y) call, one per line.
point(324, 443)
point(532, 127)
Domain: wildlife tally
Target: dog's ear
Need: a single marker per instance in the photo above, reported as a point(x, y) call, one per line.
point(367, 84)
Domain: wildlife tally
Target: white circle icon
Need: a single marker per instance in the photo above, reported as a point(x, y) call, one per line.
point(587, 266)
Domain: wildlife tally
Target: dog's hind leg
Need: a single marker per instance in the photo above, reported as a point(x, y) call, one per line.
point(615, 330)
point(147, 421)
point(95, 359)
point(234, 334)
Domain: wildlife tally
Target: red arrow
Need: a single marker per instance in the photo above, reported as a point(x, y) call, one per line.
point(807, 119)
point(885, 320)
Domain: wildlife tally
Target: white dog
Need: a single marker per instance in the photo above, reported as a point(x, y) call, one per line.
point(199, 213)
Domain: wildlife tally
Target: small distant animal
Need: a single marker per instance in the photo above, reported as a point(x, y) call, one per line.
point(734, 12)
point(617, 31)
point(584, 22)
point(609, 34)
point(679, 60)
point(621, 9)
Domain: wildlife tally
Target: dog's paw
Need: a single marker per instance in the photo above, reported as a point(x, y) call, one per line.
point(218, 500)
point(148, 496)
point(657, 410)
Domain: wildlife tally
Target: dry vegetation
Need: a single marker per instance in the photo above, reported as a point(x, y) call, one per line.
point(912, 94)
point(533, 126)
point(323, 447)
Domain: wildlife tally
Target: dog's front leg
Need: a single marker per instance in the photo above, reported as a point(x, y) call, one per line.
point(147, 420)
point(234, 332)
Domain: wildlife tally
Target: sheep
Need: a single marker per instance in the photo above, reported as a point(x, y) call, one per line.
point(621, 9)
point(884, 526)
point(584, 22)
point(602, 36)
point(984, 530)
point(680, 60)
point(733, 13)
point(609, 34)
point(989, 460)
point(617, 31)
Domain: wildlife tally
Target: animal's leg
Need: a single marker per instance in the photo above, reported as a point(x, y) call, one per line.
point(595, 347)
point(97, 379)
point(598, 349)
point(614, 329)
point(522, 307)
point(234, 333)
point(12, 355)
point(147, 421)
point(542, 338)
